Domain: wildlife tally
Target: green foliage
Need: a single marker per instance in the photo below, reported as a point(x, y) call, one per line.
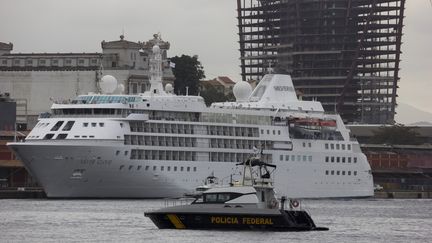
point(212, 95)
point(397, 134)
point(188, 71)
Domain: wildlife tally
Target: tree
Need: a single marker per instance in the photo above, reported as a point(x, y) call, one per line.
point(187, 71)
point(397, 134)
point(211, 95)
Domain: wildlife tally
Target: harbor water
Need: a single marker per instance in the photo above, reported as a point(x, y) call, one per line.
point(360, 220)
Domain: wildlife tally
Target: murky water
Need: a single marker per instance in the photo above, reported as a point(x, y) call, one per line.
point(365, 220)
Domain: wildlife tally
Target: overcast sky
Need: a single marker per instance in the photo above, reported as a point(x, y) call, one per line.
point(203, 27)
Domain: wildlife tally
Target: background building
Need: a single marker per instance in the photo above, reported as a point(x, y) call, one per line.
point(33, 80)
point(344, 53)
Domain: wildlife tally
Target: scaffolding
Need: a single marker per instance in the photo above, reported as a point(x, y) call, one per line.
point(343, 53)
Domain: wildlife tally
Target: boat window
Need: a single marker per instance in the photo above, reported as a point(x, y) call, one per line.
point(343, 172)
point(219, 197)
point(281, 157)
point(85, 124)
point(292, 157)
point(355, 173)
point(349, 146)
point(68, 126)
point(343, 159)
point(337, 172)
point(355, 159)
point(57, 126)
point(343, 146)
point(101, 124)
point(332, 172)
point(194, 168)
point(154, 167)
point(332, 159)
point(287, 157)
point(188, 169)
point(326, 146)
point(117, 152)
point(304, 158)
point(349, 159)
point(327, 172)
point(49, 136)
point(147, 167)
point(61, 136)
point(349, 172)
point(337, 146)
point(310, 158)
point(93, 124)
point(139, 167)
point(337, 159)
point(326, 159)
point(175, 168)
point(332, 146)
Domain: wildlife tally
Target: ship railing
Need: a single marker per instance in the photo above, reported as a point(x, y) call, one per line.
point(170, 202)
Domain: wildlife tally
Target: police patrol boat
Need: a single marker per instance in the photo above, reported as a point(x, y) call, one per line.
point(250, 204)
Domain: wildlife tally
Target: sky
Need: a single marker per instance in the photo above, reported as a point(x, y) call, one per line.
point(207, 28)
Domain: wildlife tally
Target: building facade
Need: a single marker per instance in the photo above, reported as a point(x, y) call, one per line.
point(344, 53)
point(34, 80)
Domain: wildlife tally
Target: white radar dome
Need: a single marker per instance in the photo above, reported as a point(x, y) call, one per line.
point(242, 91)
point(108, 84)
point(156, 49)
point(169, 88)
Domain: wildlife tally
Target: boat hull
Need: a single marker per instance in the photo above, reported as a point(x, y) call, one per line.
point(280, 220)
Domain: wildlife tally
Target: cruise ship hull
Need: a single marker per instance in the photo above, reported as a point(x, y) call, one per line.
point(94, 171)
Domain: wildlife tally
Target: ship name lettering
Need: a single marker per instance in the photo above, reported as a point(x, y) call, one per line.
point(282, 88)
point(224, 220)
point(267, 221)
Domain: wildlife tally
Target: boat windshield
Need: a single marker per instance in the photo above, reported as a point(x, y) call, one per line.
point(219, 197)
point(103, 99)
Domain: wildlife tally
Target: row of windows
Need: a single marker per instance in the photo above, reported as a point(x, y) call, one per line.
point(273, 132)
point(333, 159)
point(160, 141)
point(239, 143)
point(93, 124)
point(67, 127)
point(54, 62)
point(234, 157)
point(297, 158)
point(337, 172)
point(162, 155)
point(160, 168)
point(233, 131)
point(161, 128)
point(337, 146)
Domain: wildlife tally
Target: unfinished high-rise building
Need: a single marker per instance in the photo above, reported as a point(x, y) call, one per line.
point(343, 53)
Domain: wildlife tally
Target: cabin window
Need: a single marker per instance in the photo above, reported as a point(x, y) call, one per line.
point(332, 159)
point(49, 136)
point(349, 172)
point(147, 167)
point(337, 146)
point(355, 173)
point(337, 172)
point(62, 136)
point(68, 126)
point(349, 146)
point(326, 146)
point(332, 172)
point(326, 159)
point(349, 159)
point(287, 157)
point(337, 159)
point(310, 158)
point(57, 126)
point(332, 146)
point(327, 172)
point(194, 168)
point(139, 167)
point(343, 172)
point(175, 168)
point(355, 159)
point(117, 152)
point(281, 157)
point(154, 167)
point(343, 146)
point(343, 159)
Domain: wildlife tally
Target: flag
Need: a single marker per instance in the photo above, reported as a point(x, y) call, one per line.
point(172, 65)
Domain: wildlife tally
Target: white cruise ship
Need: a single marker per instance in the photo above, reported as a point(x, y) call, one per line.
point(158, 144)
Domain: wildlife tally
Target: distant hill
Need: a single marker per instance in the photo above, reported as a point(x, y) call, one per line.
point(409, 115)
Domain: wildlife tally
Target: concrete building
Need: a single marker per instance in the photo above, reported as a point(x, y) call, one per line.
point(35, 79)
point(344, 53)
